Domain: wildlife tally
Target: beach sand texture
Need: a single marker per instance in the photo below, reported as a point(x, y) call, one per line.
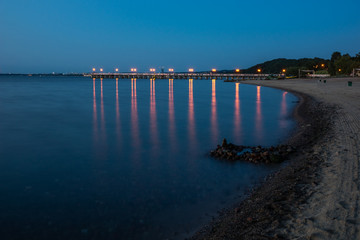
point(332, 210)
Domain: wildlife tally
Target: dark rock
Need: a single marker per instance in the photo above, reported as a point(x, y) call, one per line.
point(224, 143)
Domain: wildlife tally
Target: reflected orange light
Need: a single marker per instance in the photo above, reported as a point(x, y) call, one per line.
point(103, 125)
point(283, 112)
point(214, 126)
point(191, 115)
point(237, 119)
point(172, 131)
point(258, 117)
point(134, 120)
point(95, 124)
point(191, 70)
point(153, 118)
point(117, 111)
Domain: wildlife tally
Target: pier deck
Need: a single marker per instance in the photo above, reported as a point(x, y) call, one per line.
point(225, 76)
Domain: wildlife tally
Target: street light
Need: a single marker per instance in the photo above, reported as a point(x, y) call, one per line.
point(213, 70)
point(116, 69)
point(322, 65)
point(133, 69)
point(237, 70)
point(259, 70)
point(152, 69)
point(171, 70)
point(284, 70)
point(101, 70)
point(191, 70)
point(94, 69)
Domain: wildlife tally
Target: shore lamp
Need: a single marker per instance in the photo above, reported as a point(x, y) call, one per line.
point(191, 70)
point(237, 70)
point(259, 70)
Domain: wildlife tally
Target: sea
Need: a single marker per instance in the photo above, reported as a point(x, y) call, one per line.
point(84, 158)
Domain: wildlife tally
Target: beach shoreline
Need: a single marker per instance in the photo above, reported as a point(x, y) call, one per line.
point(296, 202)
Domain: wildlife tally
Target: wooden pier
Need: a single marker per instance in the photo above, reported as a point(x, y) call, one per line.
point(223, 76)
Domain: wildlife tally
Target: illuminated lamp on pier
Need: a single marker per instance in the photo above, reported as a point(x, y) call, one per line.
point(116, 69)
point(152, 69)
point(213, 70)
point(191, 70)
point(171, 70)
point(94, 69)
point(133, 69)
point(237, 70)
point(101, 70)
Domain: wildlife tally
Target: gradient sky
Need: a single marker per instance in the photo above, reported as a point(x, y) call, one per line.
point(76, 35)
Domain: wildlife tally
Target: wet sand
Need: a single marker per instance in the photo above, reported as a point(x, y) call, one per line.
point(316, 194)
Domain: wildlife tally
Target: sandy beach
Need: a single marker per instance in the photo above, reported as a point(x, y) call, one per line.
point(316, 195)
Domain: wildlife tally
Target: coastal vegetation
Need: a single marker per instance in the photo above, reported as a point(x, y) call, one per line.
point(339, 64)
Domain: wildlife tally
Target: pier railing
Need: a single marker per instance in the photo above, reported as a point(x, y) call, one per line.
point(225, 76)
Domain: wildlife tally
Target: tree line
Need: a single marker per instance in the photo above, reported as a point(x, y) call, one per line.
point(338, 64)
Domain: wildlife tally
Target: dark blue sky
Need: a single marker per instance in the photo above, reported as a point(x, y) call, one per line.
point(76, 35)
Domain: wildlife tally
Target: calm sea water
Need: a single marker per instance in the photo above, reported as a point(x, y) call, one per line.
point(127, 159)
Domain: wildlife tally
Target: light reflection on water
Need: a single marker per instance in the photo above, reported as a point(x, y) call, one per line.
point(126, 160)
point(214, 125)
point(191, 125)
point(172, 124)
point(237, 117)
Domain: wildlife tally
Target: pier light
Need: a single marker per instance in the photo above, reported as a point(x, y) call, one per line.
point(152, 69)
point(213, 70)
point(171, 70)
point(259, 70)
point(133, 69)
point(116, 69)
point(94, 69)
point(191, 70)
point(101, 70)
point(237, 70)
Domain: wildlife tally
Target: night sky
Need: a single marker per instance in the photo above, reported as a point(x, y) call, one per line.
point(76, 35)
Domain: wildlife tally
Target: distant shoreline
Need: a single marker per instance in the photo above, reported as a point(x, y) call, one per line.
point(44, 74)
